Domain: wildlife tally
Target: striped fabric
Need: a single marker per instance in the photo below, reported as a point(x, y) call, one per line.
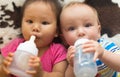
point(103, 69)
point(118, 74)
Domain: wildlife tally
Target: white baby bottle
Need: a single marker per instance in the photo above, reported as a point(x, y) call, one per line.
point(20, 59)
point(83, 62)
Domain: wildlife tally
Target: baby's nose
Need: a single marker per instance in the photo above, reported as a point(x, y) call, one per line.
point(36, 28)
point(80, 32)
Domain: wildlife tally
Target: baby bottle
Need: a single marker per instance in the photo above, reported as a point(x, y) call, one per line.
point(83, 62)
point(20, 59)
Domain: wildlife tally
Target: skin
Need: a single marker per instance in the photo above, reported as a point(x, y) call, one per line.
point(82, 22)
point(79, 24)
point(39, 20)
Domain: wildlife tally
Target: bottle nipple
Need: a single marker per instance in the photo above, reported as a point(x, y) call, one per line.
point(32, 38)
point(80, 41)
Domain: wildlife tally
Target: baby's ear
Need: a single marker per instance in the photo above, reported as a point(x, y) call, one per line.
point(99, 28)
point(56, 35)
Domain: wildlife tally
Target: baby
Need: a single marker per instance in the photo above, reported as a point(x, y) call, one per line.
point(79, 20)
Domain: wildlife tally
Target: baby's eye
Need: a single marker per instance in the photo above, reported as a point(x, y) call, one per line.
point(71, 28)
point(88, 25)
point(29, 21)
point(45, 23)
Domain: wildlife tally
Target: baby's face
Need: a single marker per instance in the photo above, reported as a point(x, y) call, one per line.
point(39, 19)
point(79, 21)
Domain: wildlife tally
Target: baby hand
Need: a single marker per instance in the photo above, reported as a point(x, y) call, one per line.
point(93, 47)
point(6, 63)
point(70, 55)
point(34, 62)
point(89, 47)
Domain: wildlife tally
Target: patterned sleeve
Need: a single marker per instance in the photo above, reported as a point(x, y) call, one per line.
point(109, 45)
point(104, 70)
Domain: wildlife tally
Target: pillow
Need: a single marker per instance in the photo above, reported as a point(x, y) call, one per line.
point(9, 20)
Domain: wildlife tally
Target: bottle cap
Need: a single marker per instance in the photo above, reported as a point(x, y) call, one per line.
point(80, 41)
point(29, 46)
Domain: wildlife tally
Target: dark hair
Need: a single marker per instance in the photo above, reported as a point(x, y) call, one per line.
point(55, 5)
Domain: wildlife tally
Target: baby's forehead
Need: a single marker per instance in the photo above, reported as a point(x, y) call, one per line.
point(78, 12)
point(78, 5)
point(78, 8)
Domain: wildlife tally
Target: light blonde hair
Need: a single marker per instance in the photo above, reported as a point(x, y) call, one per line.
point(82, 4)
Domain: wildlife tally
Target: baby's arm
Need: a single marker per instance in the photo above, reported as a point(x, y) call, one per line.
point(34, 62)
point(70, 55)
point(58, 70)
point(4, 72)
point(69, 71)
point(110, 59)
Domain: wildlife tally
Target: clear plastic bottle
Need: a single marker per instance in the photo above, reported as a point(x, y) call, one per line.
point(20, 59)
point(83, 62)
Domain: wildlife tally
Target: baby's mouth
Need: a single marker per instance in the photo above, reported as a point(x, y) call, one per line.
point(38, 37)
